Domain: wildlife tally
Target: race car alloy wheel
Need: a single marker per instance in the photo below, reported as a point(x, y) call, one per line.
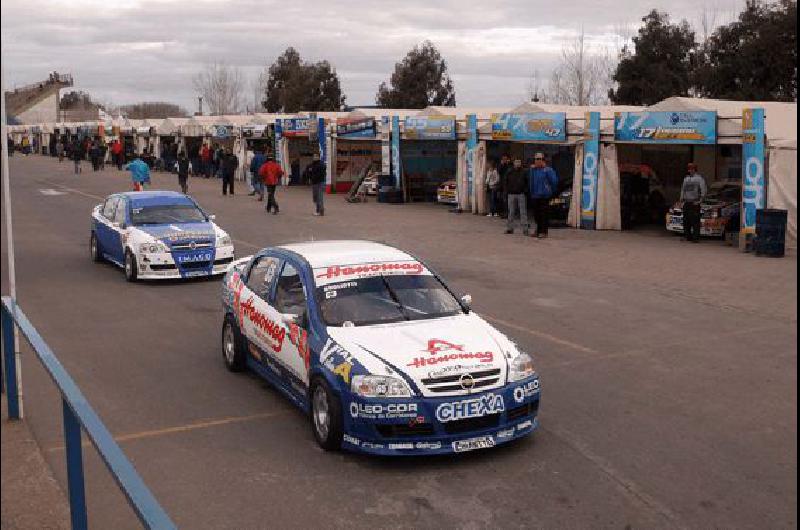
point(94, 245)
point(326, 416)
point(232, 351)
point(130, 266)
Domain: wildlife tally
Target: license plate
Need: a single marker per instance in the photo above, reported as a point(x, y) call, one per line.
point(195, 273)
point(482, 442)
point(194, 258)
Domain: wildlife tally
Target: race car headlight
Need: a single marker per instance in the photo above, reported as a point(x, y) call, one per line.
point(379, 386)
point(521, 367)
point(153, 247)
point(224, 241)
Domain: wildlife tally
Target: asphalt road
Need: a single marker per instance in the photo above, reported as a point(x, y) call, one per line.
point(669, 374)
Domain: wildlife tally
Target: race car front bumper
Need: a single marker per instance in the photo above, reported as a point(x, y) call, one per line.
point(441, 425)
point(709, 227)
point(164, 265)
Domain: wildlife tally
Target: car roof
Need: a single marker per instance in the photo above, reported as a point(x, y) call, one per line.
point(346, 252)
point(156, 198)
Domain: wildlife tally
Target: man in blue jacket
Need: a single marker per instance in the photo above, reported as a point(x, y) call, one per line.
point(544, 184)
point(255, 165)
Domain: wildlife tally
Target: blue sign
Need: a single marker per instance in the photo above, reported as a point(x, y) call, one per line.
point(386, 147)
point(753, 196)
point(695, 127)
point(430, 128)
point(294, 127)
point(355, 128)
point(396, 167)
point(591, 165)
point(530, 127)
point(471, 146)
point(323, 150)
point(278, 139)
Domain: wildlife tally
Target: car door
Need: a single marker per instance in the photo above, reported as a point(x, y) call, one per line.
point(103, 228)
point(118, 229)
point(257, 320)
point(290, 304)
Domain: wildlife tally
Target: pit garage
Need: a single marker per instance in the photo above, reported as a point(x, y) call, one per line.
point(356, 150)
point(428, 154)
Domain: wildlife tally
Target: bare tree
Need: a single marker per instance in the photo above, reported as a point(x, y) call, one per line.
point(222, 87)
point(535, 91)
point(584, 75)
point(258, 89)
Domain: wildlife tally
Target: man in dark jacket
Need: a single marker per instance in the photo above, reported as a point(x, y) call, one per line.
point(315, 173)
point(228, 164)
point(543, 185)
point(502, 197)
point(255, 165)
point(184, 166)
point(516, 188)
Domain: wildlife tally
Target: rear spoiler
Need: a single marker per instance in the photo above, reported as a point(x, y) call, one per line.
point(239, 263)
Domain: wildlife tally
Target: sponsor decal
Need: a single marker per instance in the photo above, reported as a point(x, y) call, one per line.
point(454, 368)
point(428, 445)
point(470, 444)
point(536, 126)
point(470, 408)
point(273, 332)
point(505, 433)
point(299, 338)
point(381, 411)
point(442, 351)
point(698, 127)
point(525, 425)
point(351, 440)
point(370, 445)
point(529, 389)
point(371, 269)
point(192, 258)
point(337, 360)
point(343, 370)
point(401, 446)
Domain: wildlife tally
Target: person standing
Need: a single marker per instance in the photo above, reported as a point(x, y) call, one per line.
point(94, 156)
point(140, 173)
point(544, 184)
point(103, 153)
point(255, 166)
point(77, 155)
point(693, 191)
point(502, 196)
point(116, 153)
point(249, 154)
point(316, 176)
point(228, 162)
point(516, 188)
point(205, 158)
point(271, 174)
point(60, 150)
point(492, 183)
point(184, 166)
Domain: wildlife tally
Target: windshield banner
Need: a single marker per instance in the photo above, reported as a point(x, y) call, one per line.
point(753, 197)
point(530, 127)
point(696, 127)
point(341, 273)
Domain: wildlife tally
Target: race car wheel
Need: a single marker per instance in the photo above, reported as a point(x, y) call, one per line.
point(130, 266)
point(94, 246)
point(326, 415)
point(232, 350)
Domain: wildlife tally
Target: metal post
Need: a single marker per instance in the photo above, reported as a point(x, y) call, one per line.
point(10, 365)
point(77, 493)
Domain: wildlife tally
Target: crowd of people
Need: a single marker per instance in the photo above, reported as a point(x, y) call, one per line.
point(511, 188)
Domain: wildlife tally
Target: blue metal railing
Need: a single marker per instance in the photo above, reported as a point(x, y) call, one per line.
point(78, 416)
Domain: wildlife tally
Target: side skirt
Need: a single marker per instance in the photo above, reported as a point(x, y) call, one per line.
point(279, 383)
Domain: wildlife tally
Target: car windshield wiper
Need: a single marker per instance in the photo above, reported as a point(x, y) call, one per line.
point(395, 299)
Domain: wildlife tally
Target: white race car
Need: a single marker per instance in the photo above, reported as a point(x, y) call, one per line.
point(158, 235)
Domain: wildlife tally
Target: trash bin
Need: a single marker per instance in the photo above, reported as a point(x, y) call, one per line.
point(770, 237)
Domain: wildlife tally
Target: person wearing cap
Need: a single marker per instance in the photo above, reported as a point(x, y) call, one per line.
point(544, 184)
point(692, 192)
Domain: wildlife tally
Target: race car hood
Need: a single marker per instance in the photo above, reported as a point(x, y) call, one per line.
point(429, 349)
point(180, 232)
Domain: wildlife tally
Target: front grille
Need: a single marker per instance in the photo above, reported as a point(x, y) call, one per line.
point(195, 265)
point(188, 246)
point(451, 383)
point(520, 412)
point(163, 267)
point(402, 429)
point(472, 424)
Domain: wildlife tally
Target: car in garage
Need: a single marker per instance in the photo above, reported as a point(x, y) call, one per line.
point(374, 346)
point(446, 192)
point(158, 235)
point(371, 185)
point(719, 210)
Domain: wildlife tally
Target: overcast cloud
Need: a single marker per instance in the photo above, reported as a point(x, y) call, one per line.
point(127, 51)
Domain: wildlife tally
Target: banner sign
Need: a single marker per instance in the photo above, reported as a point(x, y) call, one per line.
point(296, 127)
point(355, 127)
point(278, 139)
point(221, 131)
point(471, 146)
point(530, 127)
point(322, 139)
point(591, 165)
point(254, 131)
point(430, 128)
point(396, 167)
point(696, 127)
point(753, 193)
point(386, 147)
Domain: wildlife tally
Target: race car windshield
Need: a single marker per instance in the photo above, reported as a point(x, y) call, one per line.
point(383, 299)
point(167, 214)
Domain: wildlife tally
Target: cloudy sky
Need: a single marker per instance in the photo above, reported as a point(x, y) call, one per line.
point(125, 51)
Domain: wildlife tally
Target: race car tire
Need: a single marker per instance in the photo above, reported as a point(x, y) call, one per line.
point(94, 247)
point(326, 415)
point(130, 266)
point(232, 345)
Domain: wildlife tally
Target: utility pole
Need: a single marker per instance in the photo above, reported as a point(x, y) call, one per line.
point(199, 105)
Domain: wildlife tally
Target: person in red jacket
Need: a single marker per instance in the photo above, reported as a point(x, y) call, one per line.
point(116, 154)
point(205, 160)
point(271, 174)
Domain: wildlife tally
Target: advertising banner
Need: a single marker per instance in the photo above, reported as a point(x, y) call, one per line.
point(386, 147)
point(323, 149)
point(591, 165)
point(396, 166)
point(296, 127)
point(355, 127)
point(753, 192)
point(472, 144)
point(430, 128)
point(696, 127)
point(530, 127)
point(278, 139)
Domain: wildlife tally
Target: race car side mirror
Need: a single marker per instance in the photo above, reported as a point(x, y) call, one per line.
point(212, 217)
point(466, 302)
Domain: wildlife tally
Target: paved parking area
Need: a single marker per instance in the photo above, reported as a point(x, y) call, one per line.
point(669, 374)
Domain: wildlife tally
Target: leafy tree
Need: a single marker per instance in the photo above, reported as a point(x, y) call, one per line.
point(294, 85)
point(753, 58)
point(420, 80)
point(660, 64)
point(154, 109)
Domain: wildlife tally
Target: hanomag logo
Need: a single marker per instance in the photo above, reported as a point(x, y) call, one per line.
point(442, 351)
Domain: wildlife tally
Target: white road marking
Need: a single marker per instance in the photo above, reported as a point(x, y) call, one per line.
point(51, 191)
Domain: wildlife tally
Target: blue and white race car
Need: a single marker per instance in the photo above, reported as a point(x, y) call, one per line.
point(157, 235)
point(375, 347)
